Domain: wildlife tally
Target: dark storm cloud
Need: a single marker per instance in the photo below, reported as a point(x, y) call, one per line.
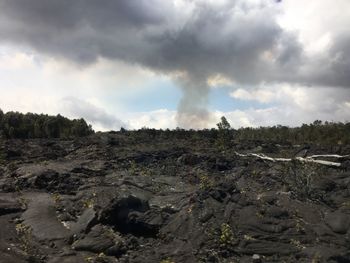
point(334, 69)
point(80, 30)
point(239, 40)
point(214, 39)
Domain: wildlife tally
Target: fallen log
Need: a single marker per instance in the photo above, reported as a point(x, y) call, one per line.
point(336, 156)
point(309, 159)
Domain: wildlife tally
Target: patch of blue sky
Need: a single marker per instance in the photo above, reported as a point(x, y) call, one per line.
point(161, 94)
point(164, 94)
point(220, 99)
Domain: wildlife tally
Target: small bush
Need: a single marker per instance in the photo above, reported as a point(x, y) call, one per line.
point(226, 237)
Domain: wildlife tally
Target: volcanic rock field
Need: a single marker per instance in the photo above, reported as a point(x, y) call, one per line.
point(138, 197)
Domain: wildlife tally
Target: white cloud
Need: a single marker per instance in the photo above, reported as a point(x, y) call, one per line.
point(260, 95)
point(218, 80)
point(252, 117)
point(159, 119)
point(316, 22)
point(33, 82)
point(295, 105)
point(28, 101)
point(299, 96)
point(16, 61)
point(35, 70)
point(97, 116)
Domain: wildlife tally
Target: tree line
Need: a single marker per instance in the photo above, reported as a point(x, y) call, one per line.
point(30, 125)
point(318, 132)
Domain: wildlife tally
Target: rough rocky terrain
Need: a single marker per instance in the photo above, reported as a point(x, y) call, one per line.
point(119, 197)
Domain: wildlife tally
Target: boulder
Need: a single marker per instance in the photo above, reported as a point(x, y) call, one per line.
point(338, 222)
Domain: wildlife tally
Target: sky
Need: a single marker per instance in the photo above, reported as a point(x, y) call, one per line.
point(177, 63)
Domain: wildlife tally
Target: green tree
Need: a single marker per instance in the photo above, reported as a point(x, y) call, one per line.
point(80, 128)
point(224, 135)
point(223, 124)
